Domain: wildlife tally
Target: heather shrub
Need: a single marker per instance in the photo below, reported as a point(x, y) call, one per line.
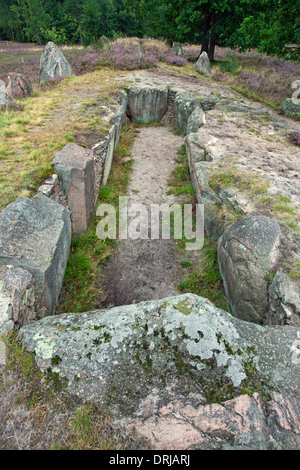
point(265, 77)
point(16, 107)
point(295, 137)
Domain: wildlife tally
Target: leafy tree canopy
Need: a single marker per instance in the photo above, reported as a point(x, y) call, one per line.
point(271, 26)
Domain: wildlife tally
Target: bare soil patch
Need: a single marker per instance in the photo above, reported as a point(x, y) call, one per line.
point(146, 269)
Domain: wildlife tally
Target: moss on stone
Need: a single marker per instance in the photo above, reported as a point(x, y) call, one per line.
point(184, 307)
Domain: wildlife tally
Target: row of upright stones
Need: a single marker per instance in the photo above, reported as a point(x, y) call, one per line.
point(183, 352)
point(248, 251)
point(36, 232)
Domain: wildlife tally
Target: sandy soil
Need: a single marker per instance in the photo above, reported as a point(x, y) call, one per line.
point(146, 269)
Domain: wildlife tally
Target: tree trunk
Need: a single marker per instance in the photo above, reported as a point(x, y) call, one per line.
point(205, 39)
point(213, 37)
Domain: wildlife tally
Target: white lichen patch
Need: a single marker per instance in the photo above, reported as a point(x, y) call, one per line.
point(45, 347)
point(136, 347)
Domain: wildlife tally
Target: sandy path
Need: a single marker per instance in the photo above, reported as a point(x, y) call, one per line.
point(146, 269)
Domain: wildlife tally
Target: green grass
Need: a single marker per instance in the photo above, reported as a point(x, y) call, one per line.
point(282, 208)
point(88, 254)
point(228, 175)
point(82, 426)
point(180, 180)
point(205, 280)
point(87, 431)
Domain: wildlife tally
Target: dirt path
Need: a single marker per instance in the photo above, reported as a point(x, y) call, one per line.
point(258, 143)
point(146, 269)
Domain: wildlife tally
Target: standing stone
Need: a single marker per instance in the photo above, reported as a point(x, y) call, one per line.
point(53, 64)
point(184, 105)
point(18, 86)
point(284, 296)
point(203, 65)
point(247, 251)
point(35, 235)
point(17, 298)
point(74, 166)
point(196, 120)
point(147, 104)
point(177, 48)
point(4, 99)
point(2, 354)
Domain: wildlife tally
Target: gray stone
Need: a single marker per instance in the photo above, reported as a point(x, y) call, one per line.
point(180, 351)
point(209, 103)
point(231, 106)
point(203, 65)
point(6, 321)
point(147, 104)
point(196, 120)
point(247, 251)
point(35, 235)
point(4, 99)
point(284, 296)
point(184, 105)
point(20, 286)
point(216, 219)
point(112, 137)
point(177, 48)
point(2, 353)
point(53, 64)
point(18, 86)
point(291, 108)
point(74, 166)
point(200, 146)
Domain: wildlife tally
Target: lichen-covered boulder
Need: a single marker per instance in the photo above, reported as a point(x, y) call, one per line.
point(179, 356)
point(17, 298)
point(203, 65)
point(18, 86)
point(35, 235)
point(147, 104)
point(284, 301)
point(247, 252)
point(53, 64)
point(4, 99)
point(184, 105)
point(196, 120)
point(291, 107)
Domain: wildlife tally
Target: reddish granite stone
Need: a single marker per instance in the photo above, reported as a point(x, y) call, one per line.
point(74, 166)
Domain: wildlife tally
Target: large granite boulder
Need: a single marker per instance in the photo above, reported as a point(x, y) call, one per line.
point(17, 298)
point(35, 237)
point(147, 104)
point(203, 65)
point(75, 168)
point(180, 371)
point(284, 301)
point(196, 120)
point(184, 105)
point(4, 99)
point(53, 64)
point(18, 86)
point(247, 252)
